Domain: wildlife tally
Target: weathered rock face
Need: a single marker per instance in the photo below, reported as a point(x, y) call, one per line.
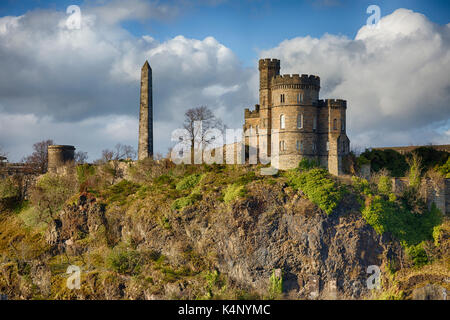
point(270, 230)
point(74, 223)
point(273, 228)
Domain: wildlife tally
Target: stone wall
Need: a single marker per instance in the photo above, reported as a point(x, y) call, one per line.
point(432, 190)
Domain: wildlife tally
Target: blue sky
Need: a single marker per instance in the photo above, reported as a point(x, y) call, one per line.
point(251, 25)
point(81, 87)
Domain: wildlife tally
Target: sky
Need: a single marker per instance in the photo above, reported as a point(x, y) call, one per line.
point(81, 86)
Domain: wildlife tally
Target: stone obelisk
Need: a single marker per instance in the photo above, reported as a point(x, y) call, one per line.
point(145, 148)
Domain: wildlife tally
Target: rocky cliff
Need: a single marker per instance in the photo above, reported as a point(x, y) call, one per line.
point(138, 242)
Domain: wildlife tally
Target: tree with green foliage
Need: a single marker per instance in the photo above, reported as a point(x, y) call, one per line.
point(429, 157)
point(388, 159)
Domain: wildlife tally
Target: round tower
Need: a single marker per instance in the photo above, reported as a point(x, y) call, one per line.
point(294, 115)
point(59, 156)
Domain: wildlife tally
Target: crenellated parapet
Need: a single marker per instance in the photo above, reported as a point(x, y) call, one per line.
point(295, 81)
point(269, 64)
point(333, 103)
point(252, 113)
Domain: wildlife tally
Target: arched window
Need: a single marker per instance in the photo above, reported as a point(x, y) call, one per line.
point(282, 98)
point(282, 122)
point(282, 145)
point(299, 97)
point(315, 123)
point(335, 124)
point(342, 125)
point(300, 121)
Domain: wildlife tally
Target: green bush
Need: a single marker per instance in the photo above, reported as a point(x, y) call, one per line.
point(384, 185)
point(275, 286)
point(318, 187)
point(362, 186)
point(9, 188)
point(408, 227)
point(188, 182)
point(163, 179)
point(387, 159)
point(234, 191)
point(307, 164)
point(183, 202)
point(429, 157)
point(51, 192)
point(445, 169)
point(120, 192)
point(124, 260)
point(418, 255)
point(84, 171)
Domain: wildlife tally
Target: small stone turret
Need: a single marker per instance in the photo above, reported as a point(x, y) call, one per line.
point(59, 156)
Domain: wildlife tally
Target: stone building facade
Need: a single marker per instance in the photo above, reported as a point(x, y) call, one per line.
point(293, 123)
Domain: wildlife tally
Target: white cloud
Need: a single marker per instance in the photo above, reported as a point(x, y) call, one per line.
point(62, 78)
point(81, 87)
point(395, 78)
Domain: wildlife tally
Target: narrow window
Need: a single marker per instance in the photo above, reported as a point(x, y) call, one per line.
point(314, 147)
point(282, 145)
point(328, 145)
point(282, 98)
point(257, 127)
point(300, 121)
point(298, 145)
point(335, 124)
point(282, 124)
point(315, 123)
point(342, 125)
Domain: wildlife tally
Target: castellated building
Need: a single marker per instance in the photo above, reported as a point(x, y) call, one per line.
point(290, 112)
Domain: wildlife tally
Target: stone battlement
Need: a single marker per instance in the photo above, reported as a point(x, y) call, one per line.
point(333, 103)
point(252, 113)
point(269, 63)
point(296, 79)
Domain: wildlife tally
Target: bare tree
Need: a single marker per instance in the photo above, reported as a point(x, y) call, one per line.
point(197, 134)
point(110, 160)
point(37, 161)
point(80, 157)
point(120, 152)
